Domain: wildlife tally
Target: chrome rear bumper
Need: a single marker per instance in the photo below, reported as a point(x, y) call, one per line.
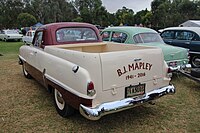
point(116, 106)
point(187, 66)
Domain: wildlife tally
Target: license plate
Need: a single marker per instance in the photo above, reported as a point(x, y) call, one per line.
point(134, 90)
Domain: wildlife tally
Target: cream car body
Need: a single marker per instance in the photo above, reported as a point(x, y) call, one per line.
point(97, 78)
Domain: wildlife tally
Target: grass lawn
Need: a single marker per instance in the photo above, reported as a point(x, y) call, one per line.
point(9, 50)
point(26, 106)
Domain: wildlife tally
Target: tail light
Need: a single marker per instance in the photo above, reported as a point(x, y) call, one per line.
point(188, 54)
point(90, 89)
point(169, 72)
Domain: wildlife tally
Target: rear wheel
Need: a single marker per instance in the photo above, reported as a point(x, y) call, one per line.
point(195, 72)
point(62, 107)
point(195, 61)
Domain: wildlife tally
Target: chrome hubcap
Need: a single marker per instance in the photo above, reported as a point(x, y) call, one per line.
point(59, 100)
point(196, 62)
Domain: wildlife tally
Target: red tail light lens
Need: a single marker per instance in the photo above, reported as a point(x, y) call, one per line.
point(90, 89)
point(169, 70)
point(90, 86)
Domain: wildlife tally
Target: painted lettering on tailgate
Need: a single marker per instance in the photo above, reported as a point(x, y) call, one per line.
point(133, 67)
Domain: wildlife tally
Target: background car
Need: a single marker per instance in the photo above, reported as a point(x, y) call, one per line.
point(175, 57)
point(186, 37)
point(10, 35)
point(27, 39)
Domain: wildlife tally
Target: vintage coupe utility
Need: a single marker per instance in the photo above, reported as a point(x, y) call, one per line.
point(94, 77)
point(177, 58)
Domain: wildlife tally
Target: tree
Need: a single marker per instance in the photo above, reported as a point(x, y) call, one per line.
point(146, 20)
point(187, 9)
point(10, 10)
point(125, 16)
point(140, 18)
point(197, 14)
point(91, 11)
point(102, 16)
point(26, 20)
point(159, 9)
point(167, 13)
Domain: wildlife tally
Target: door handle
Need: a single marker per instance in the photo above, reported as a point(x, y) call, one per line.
point(33, 53)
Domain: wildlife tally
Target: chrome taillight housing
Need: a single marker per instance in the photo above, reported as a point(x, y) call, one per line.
point(90, 89)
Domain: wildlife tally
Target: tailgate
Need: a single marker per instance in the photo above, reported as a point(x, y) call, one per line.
point(125, 68)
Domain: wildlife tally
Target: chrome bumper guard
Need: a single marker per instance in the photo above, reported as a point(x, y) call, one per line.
point(116, 106)
point(187, 66)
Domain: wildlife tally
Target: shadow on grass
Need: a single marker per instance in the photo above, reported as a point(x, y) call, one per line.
point(129, 119)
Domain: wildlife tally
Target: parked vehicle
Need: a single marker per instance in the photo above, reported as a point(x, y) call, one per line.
point(186, 37)
point(176, 58)
point(10, 35)
point(28, 38)
point(193, 73)
point(97, 78)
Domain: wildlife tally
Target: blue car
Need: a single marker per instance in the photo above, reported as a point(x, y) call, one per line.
point(186, 37)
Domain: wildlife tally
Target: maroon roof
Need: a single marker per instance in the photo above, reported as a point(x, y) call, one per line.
point(49, 32)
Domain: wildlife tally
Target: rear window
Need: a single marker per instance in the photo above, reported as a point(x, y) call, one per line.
point(105, 35)
point(184, 35)
point(119, 37)
point(168, 35)
point(147, 38)
point(75, 34)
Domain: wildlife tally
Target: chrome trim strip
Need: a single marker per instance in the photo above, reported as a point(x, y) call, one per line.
point(22, 58)
point(191, 52)
point(116, 106)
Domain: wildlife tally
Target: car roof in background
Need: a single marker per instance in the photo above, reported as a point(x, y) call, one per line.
point(31, 31)
point(194, 29)
point(130, 29)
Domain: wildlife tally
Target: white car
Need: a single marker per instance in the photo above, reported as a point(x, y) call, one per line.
point(27, 39)
point(10, 35)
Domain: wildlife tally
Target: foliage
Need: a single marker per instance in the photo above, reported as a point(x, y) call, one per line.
point(143, 17)
point(167, 13)
point(9, 12)
point(25, 19)
point(125, 16)
point(164, 13)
